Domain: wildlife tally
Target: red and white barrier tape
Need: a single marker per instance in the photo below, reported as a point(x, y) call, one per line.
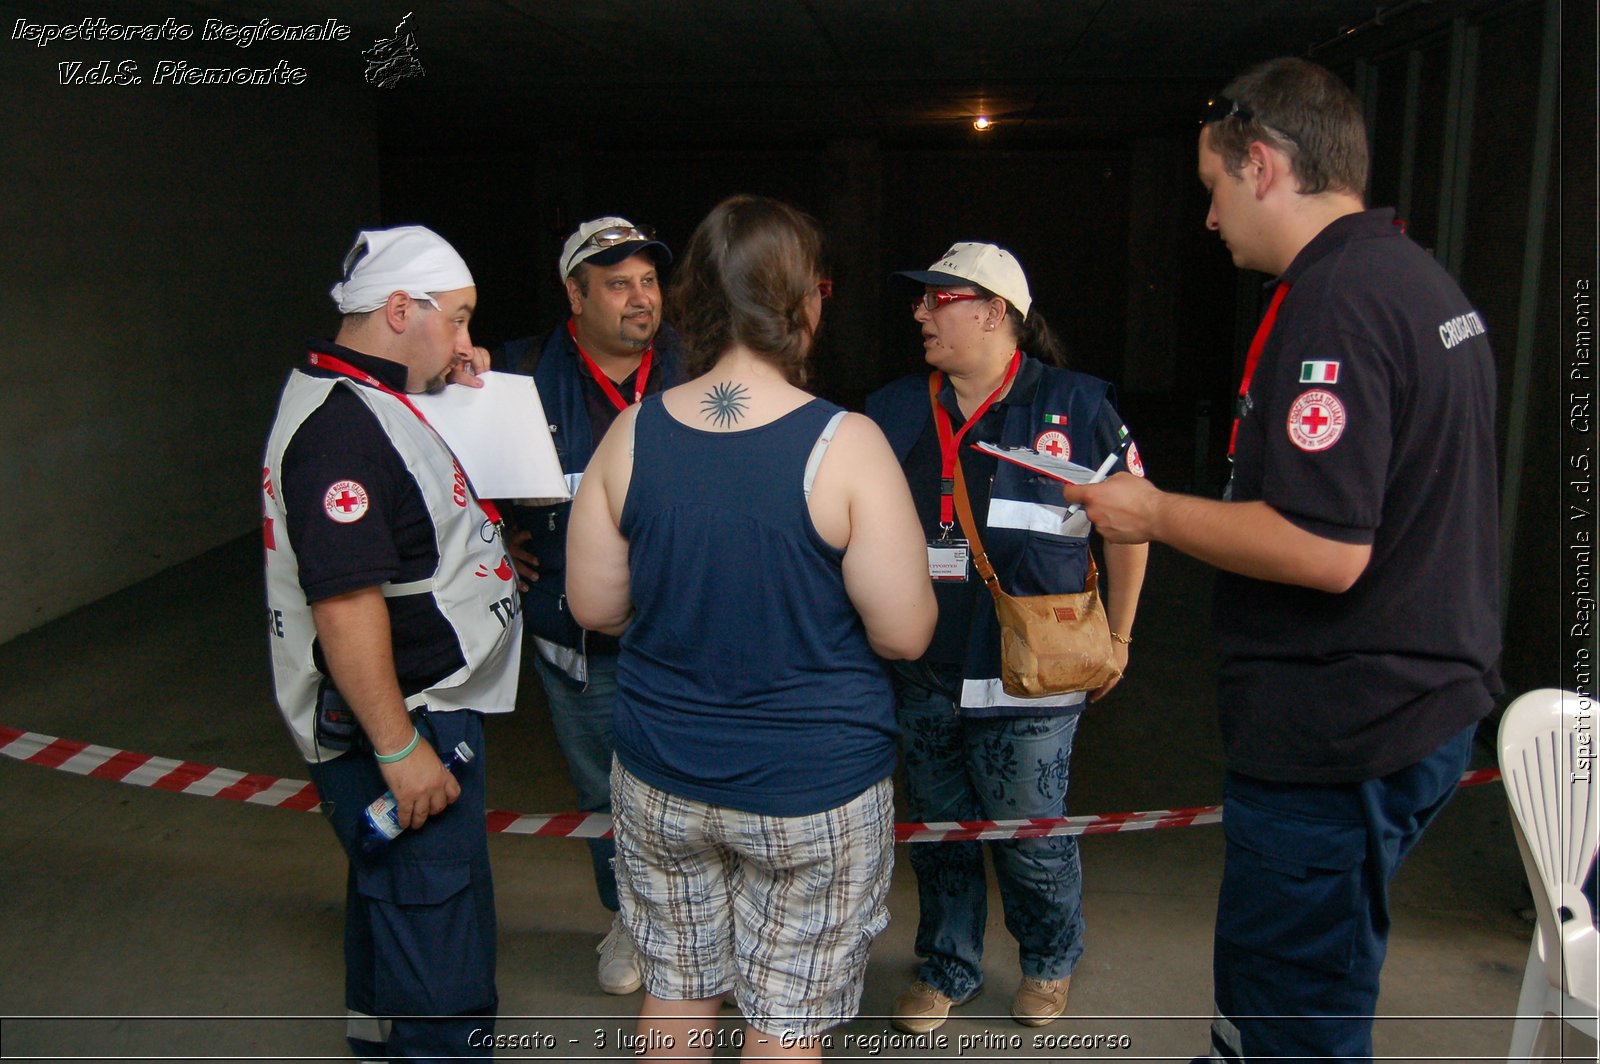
point(207, 781)
point(142, 770)
point(1098, 824)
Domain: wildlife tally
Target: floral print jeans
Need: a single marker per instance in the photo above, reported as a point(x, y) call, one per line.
point(990, 768)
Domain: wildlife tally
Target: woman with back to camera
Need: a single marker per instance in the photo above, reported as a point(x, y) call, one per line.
point(757, 549)
point(972, 750)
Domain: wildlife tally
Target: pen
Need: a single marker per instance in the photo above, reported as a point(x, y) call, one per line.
point(1099, 475)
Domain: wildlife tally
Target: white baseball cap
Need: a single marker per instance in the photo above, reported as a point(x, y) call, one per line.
point(986, 265)
point(606, 242)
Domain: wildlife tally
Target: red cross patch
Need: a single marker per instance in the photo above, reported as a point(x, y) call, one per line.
point(345, 501)
point(1135, 463)
point(1055, 444)
point(1316, 420)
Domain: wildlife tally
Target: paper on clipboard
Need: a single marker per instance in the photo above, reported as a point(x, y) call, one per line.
point(1058, 468)
point(500, 435)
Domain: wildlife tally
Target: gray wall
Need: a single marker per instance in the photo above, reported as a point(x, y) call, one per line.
point(165, 251)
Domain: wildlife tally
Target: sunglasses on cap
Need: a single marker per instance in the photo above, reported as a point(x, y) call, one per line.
point(616, 234)
point(1220, 108)
point(932, 301)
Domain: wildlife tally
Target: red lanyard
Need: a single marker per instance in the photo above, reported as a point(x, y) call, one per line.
point(345, 369)
point(950, 443)
point(639, 380)
point(1254, 356)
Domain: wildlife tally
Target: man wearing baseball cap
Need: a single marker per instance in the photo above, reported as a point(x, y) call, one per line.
point(612, 351)
point(390, 596)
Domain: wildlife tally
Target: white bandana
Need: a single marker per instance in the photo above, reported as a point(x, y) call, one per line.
point(408, 258)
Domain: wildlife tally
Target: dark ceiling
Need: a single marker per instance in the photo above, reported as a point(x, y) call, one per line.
point(774, 71)
point(508, 74)
point(683, 72)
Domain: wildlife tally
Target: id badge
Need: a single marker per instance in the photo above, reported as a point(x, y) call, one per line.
point(947, 560)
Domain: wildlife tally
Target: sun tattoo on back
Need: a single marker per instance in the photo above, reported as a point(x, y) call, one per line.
point(724, 404)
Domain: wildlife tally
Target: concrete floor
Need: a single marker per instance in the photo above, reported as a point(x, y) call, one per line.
point(150, 925)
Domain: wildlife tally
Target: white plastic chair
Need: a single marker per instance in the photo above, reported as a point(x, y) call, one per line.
point(1550, 779)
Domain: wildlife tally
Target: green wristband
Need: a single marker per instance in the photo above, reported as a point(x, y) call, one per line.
point(389, 759)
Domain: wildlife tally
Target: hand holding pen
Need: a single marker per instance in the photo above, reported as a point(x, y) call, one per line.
point(1099, 475)
point(1124, 508)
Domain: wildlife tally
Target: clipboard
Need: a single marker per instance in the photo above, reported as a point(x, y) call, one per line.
point(1055, 468)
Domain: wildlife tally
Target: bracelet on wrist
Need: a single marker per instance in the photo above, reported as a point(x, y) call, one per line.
point(1125, 640)
point(400, 755)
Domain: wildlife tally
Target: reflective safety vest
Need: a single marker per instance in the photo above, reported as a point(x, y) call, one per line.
point(473, 587)
point(1036, 547)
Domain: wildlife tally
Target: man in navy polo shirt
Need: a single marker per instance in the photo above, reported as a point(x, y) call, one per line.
point(1358, 594)
point(612, 351)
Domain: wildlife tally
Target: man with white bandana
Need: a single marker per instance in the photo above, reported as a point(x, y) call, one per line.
point(394, 626)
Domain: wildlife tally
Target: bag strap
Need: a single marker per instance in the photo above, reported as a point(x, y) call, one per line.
point(969, 523)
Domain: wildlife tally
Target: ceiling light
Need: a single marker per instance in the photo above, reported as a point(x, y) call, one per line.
point(982, 124)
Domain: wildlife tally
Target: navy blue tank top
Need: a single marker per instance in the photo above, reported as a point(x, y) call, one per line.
point(745, 679)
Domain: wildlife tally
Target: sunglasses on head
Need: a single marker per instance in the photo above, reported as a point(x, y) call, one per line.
point(618, 234)
point(1220, 108)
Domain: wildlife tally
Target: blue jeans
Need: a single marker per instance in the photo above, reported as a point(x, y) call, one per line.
point(1303, 914)
point(582, 719)
point(1005, 768)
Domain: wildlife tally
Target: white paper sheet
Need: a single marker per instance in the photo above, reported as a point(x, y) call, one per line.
point(501, 436)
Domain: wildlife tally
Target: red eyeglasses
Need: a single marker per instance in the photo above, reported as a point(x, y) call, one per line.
point(824, 288)
point(932, 301)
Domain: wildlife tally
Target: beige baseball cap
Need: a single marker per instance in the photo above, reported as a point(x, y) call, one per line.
point(986, 265)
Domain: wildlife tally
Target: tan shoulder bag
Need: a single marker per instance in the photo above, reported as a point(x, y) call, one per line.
point(1049, 644)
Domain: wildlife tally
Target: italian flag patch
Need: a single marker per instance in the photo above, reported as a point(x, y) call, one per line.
point(1319, 373)
point(1055, 419)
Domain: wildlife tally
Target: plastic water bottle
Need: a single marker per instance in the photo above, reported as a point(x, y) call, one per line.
point(380, 822)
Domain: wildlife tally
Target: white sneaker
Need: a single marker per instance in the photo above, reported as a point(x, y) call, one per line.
point(619, 961)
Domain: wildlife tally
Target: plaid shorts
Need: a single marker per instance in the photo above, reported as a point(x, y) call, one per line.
point(780, 910)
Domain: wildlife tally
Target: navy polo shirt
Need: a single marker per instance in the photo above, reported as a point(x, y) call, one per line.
point(1370, 420)
point(392, 541)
